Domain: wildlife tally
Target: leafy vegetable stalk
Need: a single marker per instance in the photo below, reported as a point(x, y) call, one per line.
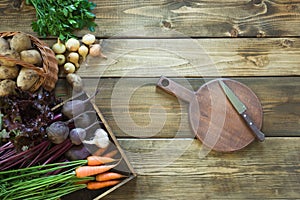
point(33, 182)
point(61, 17)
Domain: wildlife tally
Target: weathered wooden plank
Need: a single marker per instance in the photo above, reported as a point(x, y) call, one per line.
point(127, 103)
point(218, 187)
point(233, 18)
point(255, 172)
point(196, 58)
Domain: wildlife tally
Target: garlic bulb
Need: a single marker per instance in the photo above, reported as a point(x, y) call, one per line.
point(101, 139)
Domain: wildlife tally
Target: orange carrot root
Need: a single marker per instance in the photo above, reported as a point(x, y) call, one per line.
point(98, 160)
point(106, 176)
point(84, 171)
point(100, 151)
point(99, 185)
point(111, 154)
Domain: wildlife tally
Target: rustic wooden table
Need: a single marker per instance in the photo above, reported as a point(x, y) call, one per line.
point(255, 42)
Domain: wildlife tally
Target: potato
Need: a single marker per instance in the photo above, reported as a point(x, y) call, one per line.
point(11, 54)
point(9, 72)
point(26, 78)
point(20, 42)
point(7, 87)
point(32, 56)
point(4, 45)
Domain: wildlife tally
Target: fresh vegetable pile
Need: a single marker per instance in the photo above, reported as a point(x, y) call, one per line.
point(74, 51)
point(61, 17)
point(36, 129)
point(49, 147)
point(49, 182)
point(18, 47)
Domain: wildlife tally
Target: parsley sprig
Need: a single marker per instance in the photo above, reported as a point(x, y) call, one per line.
point(61, 17)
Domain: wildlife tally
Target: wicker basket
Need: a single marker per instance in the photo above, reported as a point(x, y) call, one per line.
point(48, 72)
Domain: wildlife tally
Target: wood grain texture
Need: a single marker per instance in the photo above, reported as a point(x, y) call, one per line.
point(129, 104)
point(192, 18)
point(255, 172)
point(196, 58)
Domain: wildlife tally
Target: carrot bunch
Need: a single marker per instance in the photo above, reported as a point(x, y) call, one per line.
point(93, 173)
point(97, 167)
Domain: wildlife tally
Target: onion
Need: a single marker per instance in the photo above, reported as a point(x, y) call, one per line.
point(72, 44)
point(88, 39)
point(61, 59)
point(69, 67)
point(83, 51)
point(59, 47)
point(73, 57)
point(95, 51)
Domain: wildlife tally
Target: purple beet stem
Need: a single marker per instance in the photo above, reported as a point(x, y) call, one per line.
point(60, 152)
point(20, 157)
point(6, 146)
point(41, 152)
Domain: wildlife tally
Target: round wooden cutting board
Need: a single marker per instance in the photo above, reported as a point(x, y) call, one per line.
point(212, 117)
point(218, 125)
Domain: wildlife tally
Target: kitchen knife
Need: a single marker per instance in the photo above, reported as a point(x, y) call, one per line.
point(242, 110)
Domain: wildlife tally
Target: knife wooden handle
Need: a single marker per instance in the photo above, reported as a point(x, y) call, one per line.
point(259, 135)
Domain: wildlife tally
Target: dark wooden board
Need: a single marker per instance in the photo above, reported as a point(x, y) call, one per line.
point(268, 170)
point(192, 18)
point(220, 127)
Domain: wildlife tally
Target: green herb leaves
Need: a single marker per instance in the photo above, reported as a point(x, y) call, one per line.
point(61, 17)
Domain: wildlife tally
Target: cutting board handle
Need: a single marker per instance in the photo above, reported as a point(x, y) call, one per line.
point(176, 89)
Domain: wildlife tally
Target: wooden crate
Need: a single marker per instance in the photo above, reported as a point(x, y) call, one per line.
point(124, 166)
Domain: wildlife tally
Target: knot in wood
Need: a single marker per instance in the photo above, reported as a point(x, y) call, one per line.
point(17, 4)
point(260, 34)
point(259, 60)
point(234, 32)
point(166, 24)
point(286, 43)
point(257, 2)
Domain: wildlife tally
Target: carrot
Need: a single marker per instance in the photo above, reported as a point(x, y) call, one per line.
point(98, 160)
point(84, 171)
point(94, 185)
point(100, 151)
point(111, 154)
point(107, 176)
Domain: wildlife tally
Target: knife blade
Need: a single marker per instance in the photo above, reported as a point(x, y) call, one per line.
point(242, 110)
